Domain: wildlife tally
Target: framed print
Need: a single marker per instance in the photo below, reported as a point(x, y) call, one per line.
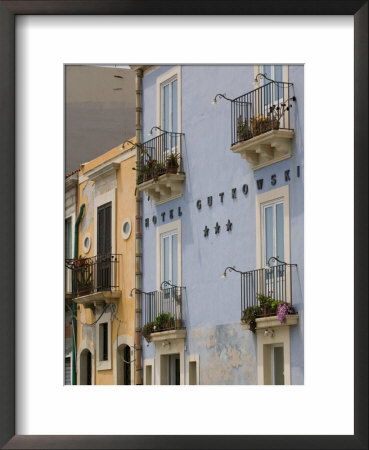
point(39, 39)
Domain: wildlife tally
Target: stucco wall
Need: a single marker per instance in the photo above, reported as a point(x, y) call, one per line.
point(212, 307)
point(122, 325)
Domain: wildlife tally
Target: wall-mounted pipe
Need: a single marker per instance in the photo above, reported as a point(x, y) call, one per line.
point(74, 306)
point(138, 238)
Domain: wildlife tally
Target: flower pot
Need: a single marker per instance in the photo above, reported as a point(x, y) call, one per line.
point(172, 169)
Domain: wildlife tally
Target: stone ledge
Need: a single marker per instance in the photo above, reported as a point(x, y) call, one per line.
point(272, 322)
point(98, 298)
point(167, 187)
point(266, 148)
point(167, 335)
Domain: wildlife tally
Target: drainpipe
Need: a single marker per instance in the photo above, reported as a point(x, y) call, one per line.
point(138, 239)
point(74, 305)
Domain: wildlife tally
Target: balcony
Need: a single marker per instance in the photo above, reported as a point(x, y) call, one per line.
point(261, 124)
point(162, 314)
point(160, 170)
point(266, 298)
point(95, 280)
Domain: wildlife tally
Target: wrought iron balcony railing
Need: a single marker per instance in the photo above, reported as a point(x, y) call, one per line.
point(95, 274)
point(163, 309)
point(275, 283)
point(263, 109)
point(158, 156)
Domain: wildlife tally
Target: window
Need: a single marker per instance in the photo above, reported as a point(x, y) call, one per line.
point(193, 372)
point(148, 374)
point(124, 365)
point(148, 371)
point(68, 252)
point(169, 257)
point(272, 225)
point(169, 253)
point(277, 364)
point(103, 341)
point(275, 93)
point(169, 104)
point(67, 370)
point(68, 238)
point(273, 230)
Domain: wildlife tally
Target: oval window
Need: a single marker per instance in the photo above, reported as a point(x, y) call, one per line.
point(126, 228)
point(87, 243)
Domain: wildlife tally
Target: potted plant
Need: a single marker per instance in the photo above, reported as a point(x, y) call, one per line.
point(151, 169)
point(164, 321)
point(260, 124)
point(267, 304)
point(172, 163)
point(147, 330)
point(249, 316)
point(243, 130)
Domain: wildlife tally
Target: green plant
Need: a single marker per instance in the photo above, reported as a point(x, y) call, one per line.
point(147, 330)
point(243, 129)
point(249, 316)
point(172, 160)
point(151, 169)
point(267, 304)
point(164, 321)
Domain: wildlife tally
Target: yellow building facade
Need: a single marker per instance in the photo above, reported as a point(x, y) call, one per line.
point(103, 270)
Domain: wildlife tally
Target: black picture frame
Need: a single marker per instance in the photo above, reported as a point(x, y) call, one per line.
point(8, 11)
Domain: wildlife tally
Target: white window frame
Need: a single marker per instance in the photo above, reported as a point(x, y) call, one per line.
point(265, 205)
point(169, 234)
point(162, 231)
point(161, 81)
point(148, 363)
point(163, 85)
point(103, 365)
point(282, 193)
point(274, 195)
point(261, 81)
point(272, 347)
point(196, 359)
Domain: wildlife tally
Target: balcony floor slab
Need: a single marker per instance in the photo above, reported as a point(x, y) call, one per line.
point(265, 149)
point(98, 298)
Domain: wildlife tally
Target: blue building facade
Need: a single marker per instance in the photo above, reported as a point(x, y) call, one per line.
point(223, 233)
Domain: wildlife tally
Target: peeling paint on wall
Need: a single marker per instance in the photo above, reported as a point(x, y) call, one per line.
point(227, 354)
